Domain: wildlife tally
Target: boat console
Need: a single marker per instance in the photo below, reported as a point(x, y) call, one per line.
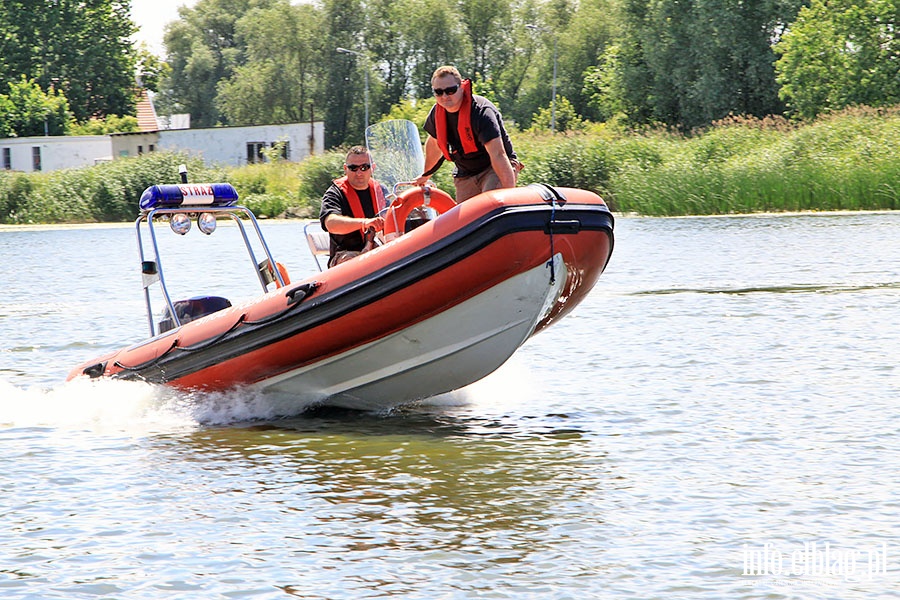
point(192, 309)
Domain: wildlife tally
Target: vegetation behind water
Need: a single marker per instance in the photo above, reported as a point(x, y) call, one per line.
point(846, 161)
point(843, 162)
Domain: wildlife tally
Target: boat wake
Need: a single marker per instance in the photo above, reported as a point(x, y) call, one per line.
point(130, 408)
point(777, 289)
point(510, 386)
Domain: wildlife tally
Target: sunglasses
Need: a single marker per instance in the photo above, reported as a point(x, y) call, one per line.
point(362, 167)
point(447, 90)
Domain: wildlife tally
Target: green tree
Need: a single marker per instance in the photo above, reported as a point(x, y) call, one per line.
point(151, 70)
point(288, 59)
point(406, 40)
point(344, 87)
point(570, 36)
point(281, 79)
point(690, 62)
point(516, 82)
point(585, 38)
point(567, 119)
point(391, 54)
point(604, 84)
point(28, 111)
point(841, 53)
point(81, 48)
point(111, 124)
point(633, 72)
point(486, 24)
point(6, 110)
point(436, 38)
point(202, 50)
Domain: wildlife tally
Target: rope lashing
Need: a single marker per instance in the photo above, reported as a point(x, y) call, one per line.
point(552, 263)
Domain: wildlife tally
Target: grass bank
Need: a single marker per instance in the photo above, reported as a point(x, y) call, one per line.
point(846, 161)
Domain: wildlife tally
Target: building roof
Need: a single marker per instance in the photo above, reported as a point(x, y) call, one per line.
point(146, 113)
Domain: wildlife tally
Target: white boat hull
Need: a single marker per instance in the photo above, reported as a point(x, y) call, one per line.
point(446, 352)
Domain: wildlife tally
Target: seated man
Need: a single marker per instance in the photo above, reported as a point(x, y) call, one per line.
point(350, 208)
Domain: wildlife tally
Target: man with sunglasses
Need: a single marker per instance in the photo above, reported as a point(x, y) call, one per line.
point(350, 208)
point(468, 130)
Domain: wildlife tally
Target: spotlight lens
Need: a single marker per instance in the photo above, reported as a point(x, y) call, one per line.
point(180, 223)
point(207, 223)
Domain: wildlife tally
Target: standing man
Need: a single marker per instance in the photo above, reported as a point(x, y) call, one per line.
point(350, 208)
point(468, 130)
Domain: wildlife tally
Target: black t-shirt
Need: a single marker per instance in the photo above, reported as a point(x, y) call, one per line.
point(335, 202)
point(487, 124)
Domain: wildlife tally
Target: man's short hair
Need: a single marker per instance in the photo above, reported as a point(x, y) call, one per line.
point(357, 150)
point(447, 70)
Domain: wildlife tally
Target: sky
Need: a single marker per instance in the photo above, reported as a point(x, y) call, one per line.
point(152, 16)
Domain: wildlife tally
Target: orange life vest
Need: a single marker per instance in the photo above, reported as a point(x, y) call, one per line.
point(375, 195)
point(464, 125)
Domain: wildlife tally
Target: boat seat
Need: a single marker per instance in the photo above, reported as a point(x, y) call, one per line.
point(192, 309)
point(319, 243)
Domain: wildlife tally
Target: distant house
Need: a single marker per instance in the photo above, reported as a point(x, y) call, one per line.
point(231, 146)
point(46, 153)
point(245, 145)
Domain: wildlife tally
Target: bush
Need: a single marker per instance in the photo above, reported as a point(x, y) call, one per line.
point(316, 173)
point(845, 161)
point(268, 189)
point(572, 160)
point(15, 192)
point(110, 124)
point(107, 192)
point(841, 162)
point(265, 205)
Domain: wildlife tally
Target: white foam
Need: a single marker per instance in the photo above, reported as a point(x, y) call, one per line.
point(109, 406)
point(102, 406)
point(510, 385)
point(132, 408)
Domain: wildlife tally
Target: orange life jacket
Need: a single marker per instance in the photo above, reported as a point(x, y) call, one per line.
point(375, 194)
point(464, 125)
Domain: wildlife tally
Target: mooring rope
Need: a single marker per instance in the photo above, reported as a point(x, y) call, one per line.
point(550, 196)
point(552, 263)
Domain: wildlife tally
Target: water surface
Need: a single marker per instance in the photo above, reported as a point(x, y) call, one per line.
point(720, 411)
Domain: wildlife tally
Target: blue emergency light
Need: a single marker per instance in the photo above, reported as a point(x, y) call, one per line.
point(188, 195)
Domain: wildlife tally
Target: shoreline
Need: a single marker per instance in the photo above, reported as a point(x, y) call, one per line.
point(789, 213)
point(64, 226)
point(618, 215)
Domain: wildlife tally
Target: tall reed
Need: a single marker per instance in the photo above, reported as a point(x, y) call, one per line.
point(843, 162)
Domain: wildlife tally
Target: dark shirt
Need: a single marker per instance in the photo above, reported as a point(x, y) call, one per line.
point(335, 202)
point(487, 124)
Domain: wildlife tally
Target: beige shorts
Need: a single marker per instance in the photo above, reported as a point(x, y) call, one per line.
point(467, 187)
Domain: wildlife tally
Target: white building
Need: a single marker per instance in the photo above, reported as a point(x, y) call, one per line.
point(231, 146)
point(242, 145)
point(51, 153)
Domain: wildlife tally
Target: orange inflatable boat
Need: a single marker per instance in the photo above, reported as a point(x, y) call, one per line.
point(432, 310)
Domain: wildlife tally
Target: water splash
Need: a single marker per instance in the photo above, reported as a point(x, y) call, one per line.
point(108, 406)
point(100, 406)
point(131, 408)
point(511, 385)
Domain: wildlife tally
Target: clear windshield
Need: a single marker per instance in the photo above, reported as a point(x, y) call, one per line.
point(396, 150)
